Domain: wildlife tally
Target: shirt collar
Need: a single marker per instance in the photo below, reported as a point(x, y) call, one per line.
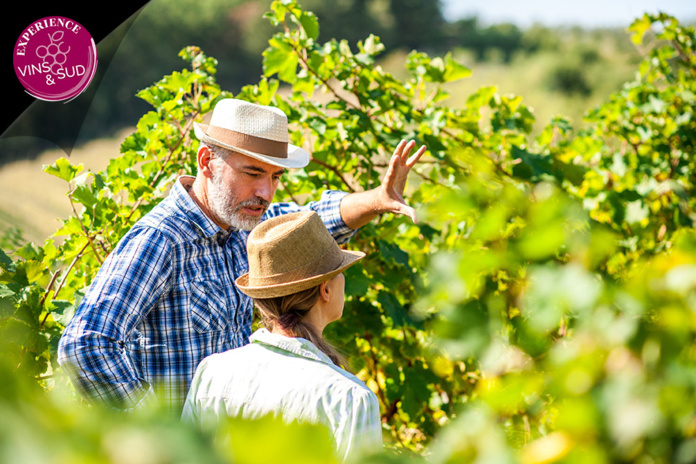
point(299, 346)
point(204, 225)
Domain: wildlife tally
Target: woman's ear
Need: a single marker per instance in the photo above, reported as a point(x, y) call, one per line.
point(324, 292)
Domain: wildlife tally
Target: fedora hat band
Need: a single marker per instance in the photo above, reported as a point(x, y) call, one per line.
point(329, 261)
point(247, 142)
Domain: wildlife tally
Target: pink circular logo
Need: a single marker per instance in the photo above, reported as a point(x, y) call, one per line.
point(55, 59)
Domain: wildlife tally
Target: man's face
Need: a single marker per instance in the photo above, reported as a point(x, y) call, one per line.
point(241, 188)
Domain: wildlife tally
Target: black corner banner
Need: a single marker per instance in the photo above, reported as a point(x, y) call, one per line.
point(99, 19)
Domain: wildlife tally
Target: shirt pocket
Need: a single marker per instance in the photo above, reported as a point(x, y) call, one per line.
point(208, 308)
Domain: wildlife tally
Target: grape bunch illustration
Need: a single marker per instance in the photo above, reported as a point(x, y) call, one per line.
point(53, 53)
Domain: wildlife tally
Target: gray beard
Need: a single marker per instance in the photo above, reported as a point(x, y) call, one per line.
point(224, 205)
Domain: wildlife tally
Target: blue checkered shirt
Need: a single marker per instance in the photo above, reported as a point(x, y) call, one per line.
point(163, 300)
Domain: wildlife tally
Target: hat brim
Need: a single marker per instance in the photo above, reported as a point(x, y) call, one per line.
point(297, 157)
point(350, 257)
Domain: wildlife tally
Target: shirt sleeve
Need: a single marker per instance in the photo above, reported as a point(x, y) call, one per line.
point(362, 431)
point(92, 348)
point(328, 207)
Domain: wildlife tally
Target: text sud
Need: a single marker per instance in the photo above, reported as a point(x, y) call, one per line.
point(45, 68)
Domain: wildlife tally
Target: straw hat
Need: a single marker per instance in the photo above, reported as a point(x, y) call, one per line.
point(257, 131)
point(291, 253)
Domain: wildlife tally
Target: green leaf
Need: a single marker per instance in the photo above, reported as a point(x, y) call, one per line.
point(357, 282)
point(5, 291)
point(6, 262)
point(61, 311)
point(393, 382)
point(393, 253)
point(639, 27)
point(531, 166)
point(454, 70)
point(393, 308)
point(30, 252)
point(84, 195)
point(63, 169)
point(372, 45)
point(280, 59)
point(310, 24)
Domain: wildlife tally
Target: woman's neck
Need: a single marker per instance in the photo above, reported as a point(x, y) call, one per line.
point(277, 329)
point(280, 330)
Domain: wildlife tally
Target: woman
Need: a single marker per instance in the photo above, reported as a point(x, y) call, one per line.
point(289, 370)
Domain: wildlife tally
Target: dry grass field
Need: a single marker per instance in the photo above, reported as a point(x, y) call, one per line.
point(34, 201)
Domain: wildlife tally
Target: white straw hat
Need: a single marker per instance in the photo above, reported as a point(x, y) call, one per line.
point(254, 130)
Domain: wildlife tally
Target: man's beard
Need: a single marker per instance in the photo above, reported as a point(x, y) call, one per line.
point(224, 205)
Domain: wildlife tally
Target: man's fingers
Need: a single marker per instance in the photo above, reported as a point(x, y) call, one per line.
point(390, 175)
point(410, 212)
point(400, 207)
point(400, 148)
point(413, 159)
point(406, 150)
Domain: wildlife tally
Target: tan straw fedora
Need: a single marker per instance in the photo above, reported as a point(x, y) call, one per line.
point(254, 130)
point(291, 253)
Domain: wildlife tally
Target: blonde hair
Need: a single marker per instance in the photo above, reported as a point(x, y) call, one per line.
point(289, 312)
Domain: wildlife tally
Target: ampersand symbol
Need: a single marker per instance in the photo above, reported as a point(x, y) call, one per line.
point(49, 80)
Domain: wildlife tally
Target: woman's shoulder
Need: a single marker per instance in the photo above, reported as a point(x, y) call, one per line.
point(349, 381)
point(225, 358)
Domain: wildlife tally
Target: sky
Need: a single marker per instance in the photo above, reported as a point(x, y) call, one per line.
point(589, 13)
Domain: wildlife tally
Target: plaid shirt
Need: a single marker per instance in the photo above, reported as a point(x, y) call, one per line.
point(289, 378)
point(163, 300)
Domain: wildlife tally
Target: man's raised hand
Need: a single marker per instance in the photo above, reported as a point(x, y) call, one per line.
point(390, 196)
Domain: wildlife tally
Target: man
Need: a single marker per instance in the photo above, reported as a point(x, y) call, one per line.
point(165, 298)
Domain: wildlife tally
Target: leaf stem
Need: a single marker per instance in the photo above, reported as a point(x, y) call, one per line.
point(84, 229)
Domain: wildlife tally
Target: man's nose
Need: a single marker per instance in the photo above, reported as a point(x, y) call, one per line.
point(265, 189)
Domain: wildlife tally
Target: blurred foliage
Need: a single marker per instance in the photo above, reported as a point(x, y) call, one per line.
point(505, 38)
point(542, 310)
point(11, 238)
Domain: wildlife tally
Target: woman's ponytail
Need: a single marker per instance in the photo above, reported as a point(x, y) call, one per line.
point(289, 312)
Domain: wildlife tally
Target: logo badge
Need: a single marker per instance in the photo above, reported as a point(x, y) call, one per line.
point(55, 59)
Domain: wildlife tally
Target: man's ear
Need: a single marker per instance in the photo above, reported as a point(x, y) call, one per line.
point(204, 157)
